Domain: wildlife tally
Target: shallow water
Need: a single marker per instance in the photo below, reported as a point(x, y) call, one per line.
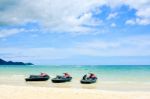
point(110, 77)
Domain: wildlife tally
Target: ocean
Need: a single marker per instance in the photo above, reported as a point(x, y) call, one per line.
point(120, 77)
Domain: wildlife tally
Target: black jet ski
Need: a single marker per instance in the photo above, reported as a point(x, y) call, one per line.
point(88, 80)
point(38, 78)
point(61, 79)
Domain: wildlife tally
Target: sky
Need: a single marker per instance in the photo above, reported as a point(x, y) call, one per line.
point(77, 32)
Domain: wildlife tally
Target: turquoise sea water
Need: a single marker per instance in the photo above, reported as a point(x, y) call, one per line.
point(112, 74)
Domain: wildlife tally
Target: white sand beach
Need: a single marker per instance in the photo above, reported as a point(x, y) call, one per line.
point(28, 92)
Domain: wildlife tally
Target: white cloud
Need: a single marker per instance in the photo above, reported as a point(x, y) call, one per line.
point(127, 46)
point(55, 15)
point(97, 44)
point(72, 16)
point(8, 32)
point(130, 22)
point(27, 54)
point(143, 21)
point(113, 25)
point(12, 31)
point(111, 16)
point(139, 21)
point(142, 12)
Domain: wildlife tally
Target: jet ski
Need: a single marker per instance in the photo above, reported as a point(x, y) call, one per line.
point(89, 80)
point(41, 77)
point(62, 79)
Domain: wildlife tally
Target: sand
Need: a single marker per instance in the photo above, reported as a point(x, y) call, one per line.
point(28, 92)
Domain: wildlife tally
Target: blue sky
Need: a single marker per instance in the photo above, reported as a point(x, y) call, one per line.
point(75, 31)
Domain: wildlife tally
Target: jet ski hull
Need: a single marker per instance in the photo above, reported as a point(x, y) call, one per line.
point(88, 81)
point(37, 78)
point(61, 80)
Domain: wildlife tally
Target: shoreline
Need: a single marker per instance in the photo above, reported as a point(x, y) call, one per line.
point(77, 85)
point(30, 92)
